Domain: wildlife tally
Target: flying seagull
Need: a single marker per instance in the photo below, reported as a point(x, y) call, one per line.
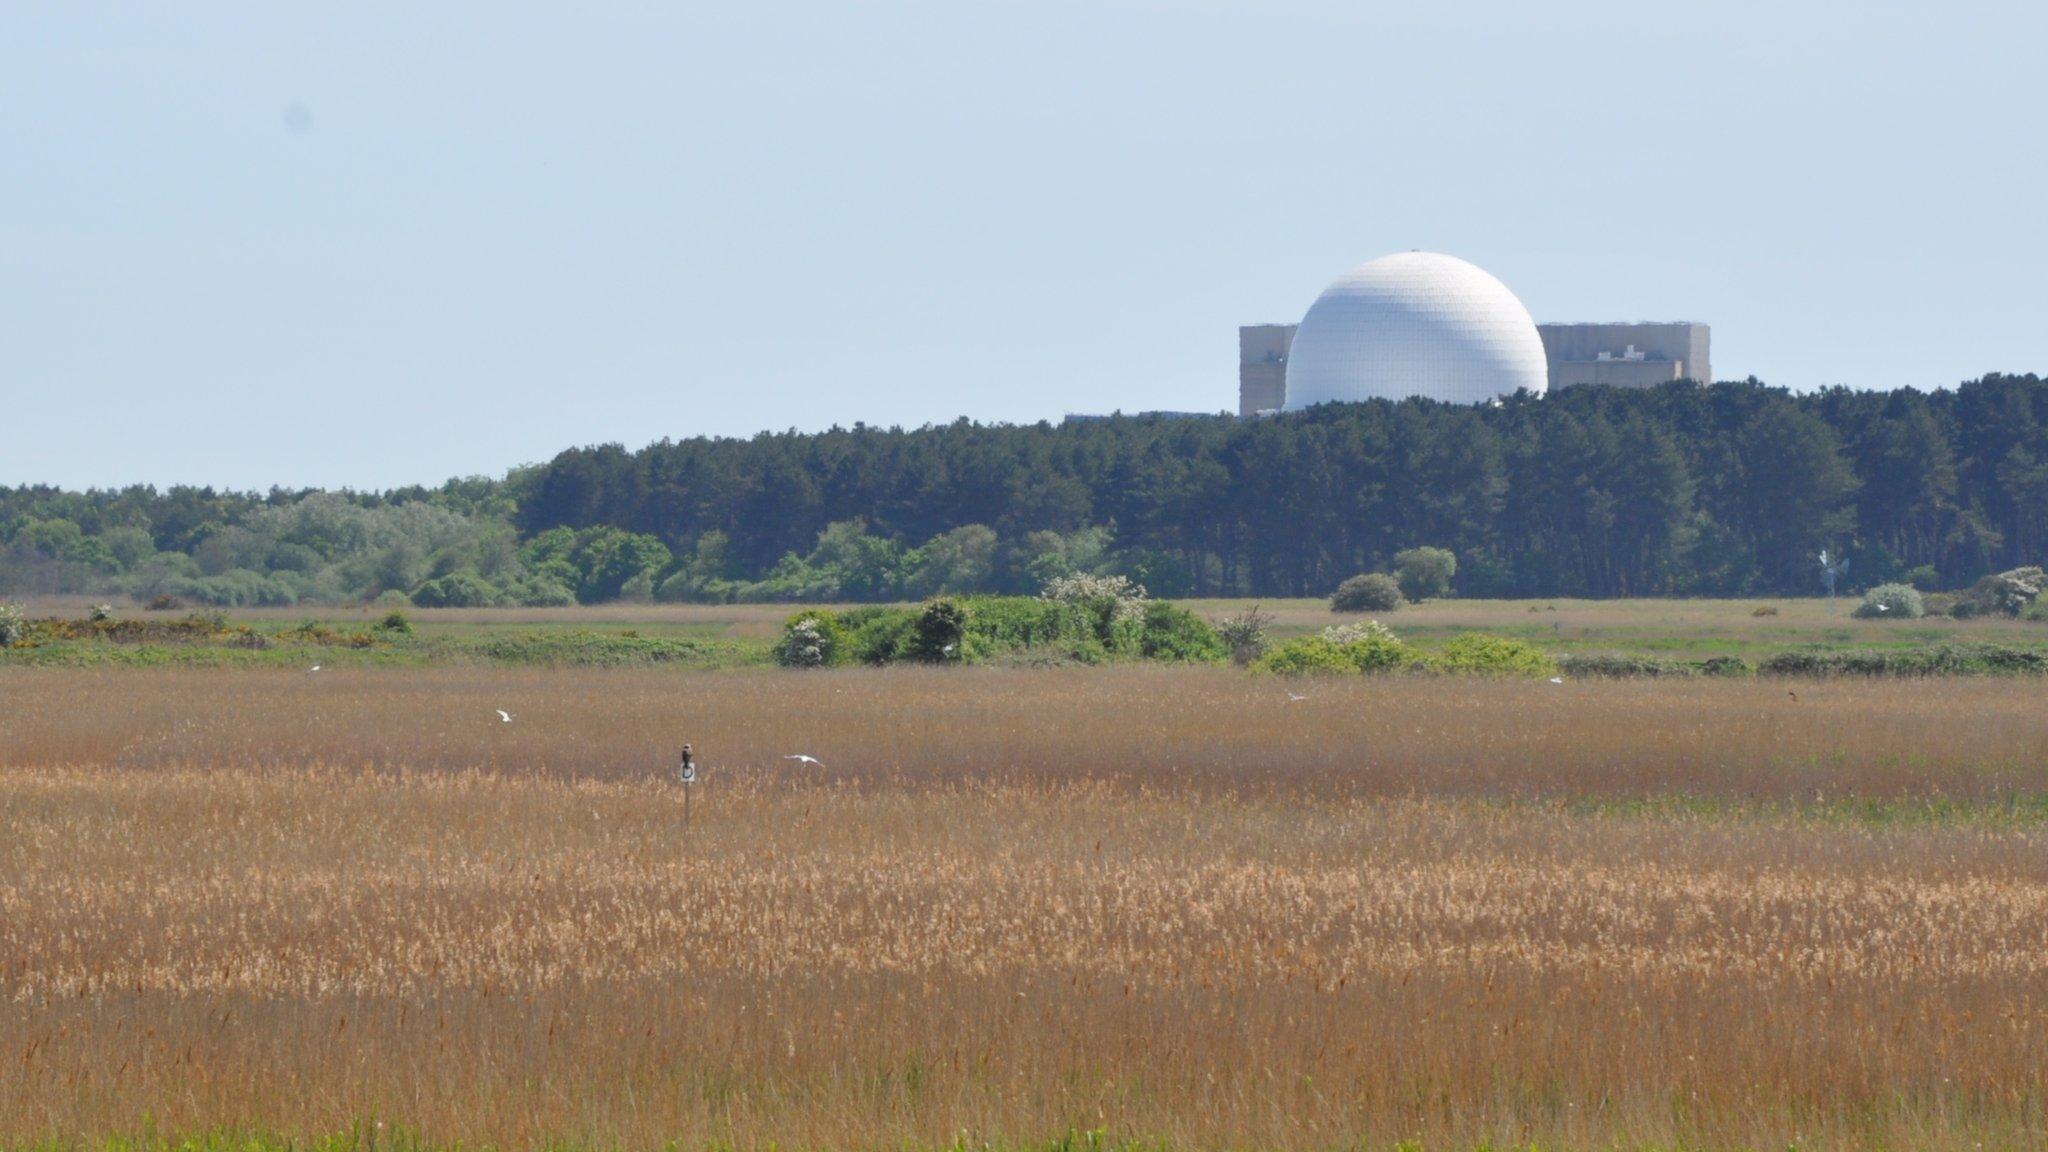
point(504, 716)
point(800, 758)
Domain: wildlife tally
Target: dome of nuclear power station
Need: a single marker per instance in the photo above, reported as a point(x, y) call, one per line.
point(1415, 324)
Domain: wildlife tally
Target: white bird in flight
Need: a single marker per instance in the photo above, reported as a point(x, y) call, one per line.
point(802, 759)
point(504, 716)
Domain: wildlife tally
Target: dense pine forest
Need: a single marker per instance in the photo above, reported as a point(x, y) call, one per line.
point(1682, 490)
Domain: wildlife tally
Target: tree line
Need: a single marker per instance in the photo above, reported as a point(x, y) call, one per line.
point(1729, 489)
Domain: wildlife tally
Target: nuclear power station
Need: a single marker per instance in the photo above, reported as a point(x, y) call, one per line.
point(1430, 325)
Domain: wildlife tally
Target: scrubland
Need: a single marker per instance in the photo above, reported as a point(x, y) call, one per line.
point(1170, 905)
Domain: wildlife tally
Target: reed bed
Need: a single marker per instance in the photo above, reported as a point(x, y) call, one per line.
point(1172, 905)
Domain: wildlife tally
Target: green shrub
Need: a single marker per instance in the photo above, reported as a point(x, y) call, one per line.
point(1619, 667)
point(1925, 577)
point(2008, 593)
point(1726, 666)
point(1935, 660)
point(455, 590)
point(1370, 646)
point(1349, 648)
point(1371, 592)
point(1474, 653)
point(397, 622)
point(812, 638)
point(1425, 573)
point(939, 632)
point(1114, 605)
point(1175, 634)
point(877, 635)
point(13, 626)
point(1306, 656)
point(1891, 602)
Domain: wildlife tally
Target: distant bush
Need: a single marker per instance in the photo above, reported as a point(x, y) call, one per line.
point(812, 638)
point(1619, 667)
point(1115, 607)
point(1308, 655)
point(1173, 633)
point(1351, 648)
point(455, 590)
point(1764, 610)
point(1245, 634)
point(1425, 573)
point(876, 635)
point(1726, 666)
point(939, 633)
point(1925, 577)
point(397, 622)
point(1625, 667)
point(13, 626)
point(1370, 592)
point(2008, 593)
point(100, 613)
point(1474, 653)
point(1936, 660)
point(1891, 602)
point(165, 602)
point(540, 592)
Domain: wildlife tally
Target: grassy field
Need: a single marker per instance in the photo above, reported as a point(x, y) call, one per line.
point(732, 635)
point(1169, 907)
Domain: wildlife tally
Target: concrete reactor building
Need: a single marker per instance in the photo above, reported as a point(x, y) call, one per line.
point(1414, 324)
point(1626, 355)
point(1425, 324)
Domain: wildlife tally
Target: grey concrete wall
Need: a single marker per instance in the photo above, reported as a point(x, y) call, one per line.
point(1262, 366)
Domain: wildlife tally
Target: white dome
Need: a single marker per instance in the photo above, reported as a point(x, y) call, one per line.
point(1415, 324)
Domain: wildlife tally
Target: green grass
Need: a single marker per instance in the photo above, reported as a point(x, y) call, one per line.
point(721, 636)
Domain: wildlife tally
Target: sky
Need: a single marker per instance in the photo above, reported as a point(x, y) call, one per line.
point(387, 243)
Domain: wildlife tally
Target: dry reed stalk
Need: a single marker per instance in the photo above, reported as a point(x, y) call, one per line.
point(1167, 903)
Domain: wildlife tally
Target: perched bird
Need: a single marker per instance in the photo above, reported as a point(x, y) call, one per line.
point(1557, 679)
point(802, 759)
point(1792, 694)
point(313, 669)
point(504, 716)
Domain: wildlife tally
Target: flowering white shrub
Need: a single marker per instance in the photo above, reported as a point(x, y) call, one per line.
point(1360, 630)
point(1082, 588)
point(11, 625)
point(101, 612)
point(803, 646)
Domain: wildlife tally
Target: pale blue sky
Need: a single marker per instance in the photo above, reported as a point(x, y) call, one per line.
point(501, 230)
